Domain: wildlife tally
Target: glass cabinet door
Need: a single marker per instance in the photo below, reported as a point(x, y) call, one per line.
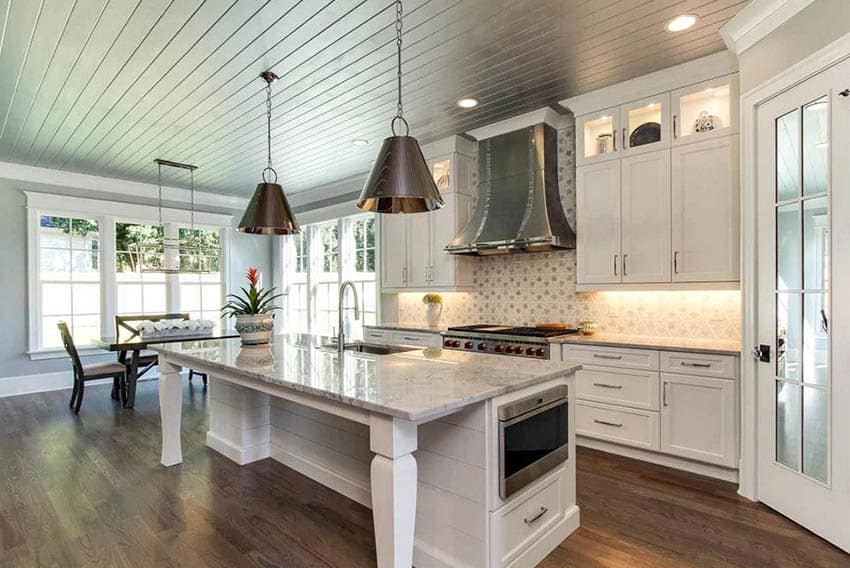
point(644, 125)
point(596, 136)
point(705, 110)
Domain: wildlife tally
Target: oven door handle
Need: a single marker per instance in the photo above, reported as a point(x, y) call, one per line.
point(531, 413)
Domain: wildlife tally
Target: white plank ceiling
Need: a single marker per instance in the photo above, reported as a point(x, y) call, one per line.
point(106, 86)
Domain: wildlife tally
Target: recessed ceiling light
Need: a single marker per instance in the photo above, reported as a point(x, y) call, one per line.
point(359, 142)
point(467, 102)
point(681, 23)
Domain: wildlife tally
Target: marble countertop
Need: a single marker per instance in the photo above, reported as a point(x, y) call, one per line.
point(417, 385)
point(716, 346)
point(410, 326)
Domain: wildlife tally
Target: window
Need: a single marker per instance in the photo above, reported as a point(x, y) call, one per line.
point(137, 292)
point(200, 293)
point(316, 262)
point(84, 267)
point(69, 281)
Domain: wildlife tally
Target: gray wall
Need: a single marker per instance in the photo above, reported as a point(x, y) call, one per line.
point(815, 27)
point(246, 251)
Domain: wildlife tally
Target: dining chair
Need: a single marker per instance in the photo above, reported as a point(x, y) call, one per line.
point(83, 373)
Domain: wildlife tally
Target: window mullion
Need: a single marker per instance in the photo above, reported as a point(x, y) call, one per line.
point(109, 293)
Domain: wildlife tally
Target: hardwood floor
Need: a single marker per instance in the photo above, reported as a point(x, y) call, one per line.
point(89, 491)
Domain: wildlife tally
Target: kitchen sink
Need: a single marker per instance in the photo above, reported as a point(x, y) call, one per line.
point(372, 348)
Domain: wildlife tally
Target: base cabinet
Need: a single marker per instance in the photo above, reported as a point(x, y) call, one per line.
point(682, 404)
point(698, 419)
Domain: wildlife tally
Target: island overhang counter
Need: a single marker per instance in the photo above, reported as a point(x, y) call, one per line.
point(378, 427)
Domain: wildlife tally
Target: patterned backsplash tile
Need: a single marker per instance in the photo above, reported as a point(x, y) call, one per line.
point(521, 289)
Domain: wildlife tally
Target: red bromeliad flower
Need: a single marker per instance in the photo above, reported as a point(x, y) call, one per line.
point(253, 277)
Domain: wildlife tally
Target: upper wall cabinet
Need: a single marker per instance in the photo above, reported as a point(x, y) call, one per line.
point(657, 201)
point(412, 255)
point(705, 110)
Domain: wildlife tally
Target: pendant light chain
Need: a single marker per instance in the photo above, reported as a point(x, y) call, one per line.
point(192, 198)
point(159, 185)
point(399, 114)
point(269, 122)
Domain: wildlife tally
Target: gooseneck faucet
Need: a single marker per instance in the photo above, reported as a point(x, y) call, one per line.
point(340, 339)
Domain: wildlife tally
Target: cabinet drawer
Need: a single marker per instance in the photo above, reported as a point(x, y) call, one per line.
point(628, 426)
point(420, 339)
point(702, 364)
point(611, 356)
point(377, 335)
point(625, 387)
point(519, 523)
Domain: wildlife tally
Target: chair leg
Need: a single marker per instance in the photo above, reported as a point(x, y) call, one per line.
point(74, 392)
point(122, 389)
point(115, 394)
point(191, 374)
point(205, 380)
point(79, 403)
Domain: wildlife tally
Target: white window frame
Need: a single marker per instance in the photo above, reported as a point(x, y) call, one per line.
point(345, 266)
point(106, 213)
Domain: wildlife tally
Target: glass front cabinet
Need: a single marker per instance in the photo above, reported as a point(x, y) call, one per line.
point(705, 110)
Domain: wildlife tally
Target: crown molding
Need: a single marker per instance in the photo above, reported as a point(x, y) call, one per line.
point(757, 20)
point(114, 188)
point(668, 79)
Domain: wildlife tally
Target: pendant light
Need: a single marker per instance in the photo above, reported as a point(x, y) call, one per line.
point(400, 181)
point(268, 213)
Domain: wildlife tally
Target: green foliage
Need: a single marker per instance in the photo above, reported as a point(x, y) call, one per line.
point(252, 301)
point(432, 299)
point(129, 234)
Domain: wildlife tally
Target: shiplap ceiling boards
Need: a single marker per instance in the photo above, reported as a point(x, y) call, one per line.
point(105, 86)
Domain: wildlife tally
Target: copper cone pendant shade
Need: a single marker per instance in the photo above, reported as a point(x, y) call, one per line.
point(400, 181)
point(268, 213)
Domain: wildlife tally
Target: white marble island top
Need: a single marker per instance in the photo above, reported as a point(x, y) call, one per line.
point(416, 385)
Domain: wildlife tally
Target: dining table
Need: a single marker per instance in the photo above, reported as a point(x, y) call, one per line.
point(129, 350)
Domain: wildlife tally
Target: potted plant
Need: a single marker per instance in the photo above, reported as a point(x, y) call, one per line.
point(434, 310)
point(253, 310)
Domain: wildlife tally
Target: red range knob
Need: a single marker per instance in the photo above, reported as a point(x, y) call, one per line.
point(447, 343)
point(518, 349)
point(482, 346)
point(455, 343)
point(498, 348)
point(529, 351)
point(540, 352)
point(509, 349)
point(467, 345)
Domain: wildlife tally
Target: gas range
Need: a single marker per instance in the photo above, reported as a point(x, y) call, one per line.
point(528, 342)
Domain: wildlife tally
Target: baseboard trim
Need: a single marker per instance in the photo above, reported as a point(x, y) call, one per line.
point(715, 471)
point(59, 380)
point(319, 473)
point(242, 456)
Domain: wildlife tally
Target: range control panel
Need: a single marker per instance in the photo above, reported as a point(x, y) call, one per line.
point(503, 345)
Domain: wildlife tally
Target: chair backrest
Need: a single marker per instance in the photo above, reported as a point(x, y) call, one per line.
point(124, 322)
point(68, 342)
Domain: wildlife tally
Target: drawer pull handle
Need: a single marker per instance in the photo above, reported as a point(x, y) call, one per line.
point(410, 338)
point(605, 423)
point(535, 518)
point(701, 365)
point(615, 357)
point(604, 386)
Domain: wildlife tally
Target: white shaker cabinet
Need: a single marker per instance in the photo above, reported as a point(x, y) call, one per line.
point(598, 222)
point(698, 418)
point(705, 211)
point(419, 251)
point(393, 230)
point(645, 222)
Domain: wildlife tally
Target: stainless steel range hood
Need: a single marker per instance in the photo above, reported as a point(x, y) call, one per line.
point(519, 206)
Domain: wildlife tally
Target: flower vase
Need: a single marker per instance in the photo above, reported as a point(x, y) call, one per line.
point(433, 313)
point(255, 329)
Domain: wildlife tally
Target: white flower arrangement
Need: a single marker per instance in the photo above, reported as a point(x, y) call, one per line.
point(175, 327)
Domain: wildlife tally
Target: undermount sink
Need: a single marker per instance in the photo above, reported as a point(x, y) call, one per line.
point(372, 348)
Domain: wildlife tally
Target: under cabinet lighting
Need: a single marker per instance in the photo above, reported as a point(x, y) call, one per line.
point(681, 23)
point(467, 102)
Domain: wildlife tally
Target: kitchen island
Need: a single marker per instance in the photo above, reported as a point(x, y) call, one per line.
point(381, 429)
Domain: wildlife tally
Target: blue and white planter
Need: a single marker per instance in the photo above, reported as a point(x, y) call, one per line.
point(255, 329)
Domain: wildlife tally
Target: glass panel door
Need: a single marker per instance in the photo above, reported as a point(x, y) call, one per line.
point(644, 124)
point(801, 286)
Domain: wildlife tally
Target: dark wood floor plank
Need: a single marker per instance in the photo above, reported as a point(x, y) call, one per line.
point(88, 490)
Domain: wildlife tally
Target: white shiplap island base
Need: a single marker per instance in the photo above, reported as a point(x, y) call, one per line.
point(412, 435)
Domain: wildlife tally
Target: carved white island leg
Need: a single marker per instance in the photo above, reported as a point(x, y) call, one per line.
point(170, 410)
point(393, 480)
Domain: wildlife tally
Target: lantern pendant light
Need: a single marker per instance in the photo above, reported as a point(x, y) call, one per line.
point(268, 212)
point(400, 181)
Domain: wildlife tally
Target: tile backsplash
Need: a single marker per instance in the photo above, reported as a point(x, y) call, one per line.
point(523, 289)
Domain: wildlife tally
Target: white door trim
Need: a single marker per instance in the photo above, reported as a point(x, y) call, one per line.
point(822, 59)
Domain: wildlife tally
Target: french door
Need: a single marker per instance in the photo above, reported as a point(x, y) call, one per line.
point(804, 304)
